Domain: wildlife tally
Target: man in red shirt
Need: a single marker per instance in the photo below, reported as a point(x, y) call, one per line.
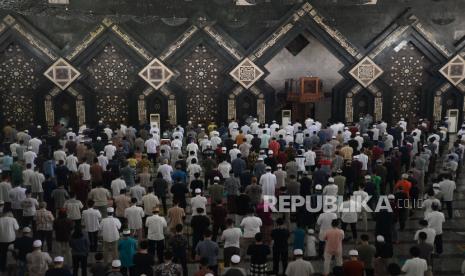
point(353, 267)
point(405, 184)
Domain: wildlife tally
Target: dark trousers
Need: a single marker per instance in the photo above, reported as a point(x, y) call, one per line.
point(82, 261)
point(438, 244)
point(47, 237)
point(195, 241)
point(217, 227)
point(449, 208)
point(369, 272)
point(152, 157)
point(353, 227)
point(279, 255)
point(3, 255)
point(228, 253)
point(181, 258)
point(159, 247)
point(93, 241)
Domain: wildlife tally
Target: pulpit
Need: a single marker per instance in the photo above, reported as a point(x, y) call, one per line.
point(303, 94)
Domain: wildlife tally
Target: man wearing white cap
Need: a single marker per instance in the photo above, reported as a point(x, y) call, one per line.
point(331, 189)
point(299, 267)
point(91, 220)
point(156, 226)
point(110, 232)
point(324, 222)
point(29, 157)
point(109, 150)
point(224, 168)
point(8, 228)
point(268, 183)
point(234, 269)
point(353, 267)
point(37, 261)
point(281, 176)
point(198, 201)
point(134, 215)
point(102, 160)
point(58, 269)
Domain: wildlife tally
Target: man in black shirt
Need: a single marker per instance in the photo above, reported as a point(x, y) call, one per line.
point(280, 236)
point(143, 261)
point(179, 191)
point(258, 256)
point(58, 269)
point(199, 224)
point(23, 246)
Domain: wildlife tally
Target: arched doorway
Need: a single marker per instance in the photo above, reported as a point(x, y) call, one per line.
point(246, 106)
point(158, 104)
point(64, 106)
point(363, 104)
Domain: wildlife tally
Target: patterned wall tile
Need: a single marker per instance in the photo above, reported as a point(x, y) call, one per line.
point(18, 71)
point(454, 70)
point(201, 75)
point(366, 72)
point(111, 70)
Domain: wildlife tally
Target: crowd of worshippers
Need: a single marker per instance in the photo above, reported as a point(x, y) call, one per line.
point(148, 202)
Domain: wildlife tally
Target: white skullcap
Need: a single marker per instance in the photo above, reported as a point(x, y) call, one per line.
point(357, 133)
point(198, 191)
point(391, 196)
point(58, 259)
point(311, 231)
point(116, 263)
point(331, 180)
point(102, 152)
point(280, 165)
point(405, 176)
point(318, 187)
point(110, 210)
point(126, 232)
point(268, 168)
point(367, 177)
point(353, 252)
point(436, 185)
point(99, 138)
point(270, 152)
point(223, 148)
point(298, 252)
point(334, 137)
point(235, 146)
point(216, 178)
point(260, 159)
point(37, 243)
point(26, 230)
point(379, 238)
point(110, 142)
point(235, 259)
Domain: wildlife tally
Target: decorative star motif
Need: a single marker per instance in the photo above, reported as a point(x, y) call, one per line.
point(62, 74)
point(454, 70)
point(156, 73)
point(366, 72)
point(246, 73)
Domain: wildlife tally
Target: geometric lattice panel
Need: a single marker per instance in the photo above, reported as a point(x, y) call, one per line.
point(406, 74)
point(246, 73)
point(366, 72)
point(156, 74)
point(454, 70)
point(201, 75)
point(18, 71)
point(62, 73)
point(111, 70)
point(17, 108)
point(112, 108)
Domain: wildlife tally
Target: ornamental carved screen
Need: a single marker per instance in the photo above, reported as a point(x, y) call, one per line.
point(406, 73)
point(201, 76)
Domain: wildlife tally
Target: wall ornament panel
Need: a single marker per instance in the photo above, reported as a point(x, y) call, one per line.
point(246, 73)
point(62, 74)
point(156, 74)
point(437, 106)
point(366, 72)
point(454, 70)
